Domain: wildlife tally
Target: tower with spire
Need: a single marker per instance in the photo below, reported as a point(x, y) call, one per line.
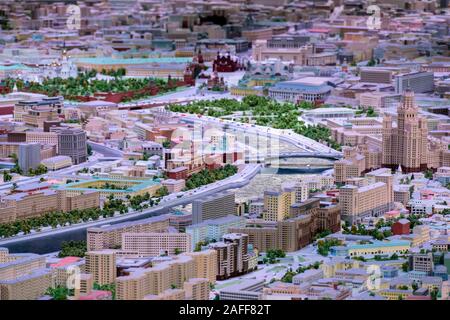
point(406, 144)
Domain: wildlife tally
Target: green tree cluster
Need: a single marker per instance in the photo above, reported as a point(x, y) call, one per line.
point(85, 85)
point(89, 149)
point(41, 169)
point(16, 168)
point(428, 174)
point(272, 256)
point(6, 176)
point(59, 292)
point(162, 192)
point(301, 269)
point(73, 249)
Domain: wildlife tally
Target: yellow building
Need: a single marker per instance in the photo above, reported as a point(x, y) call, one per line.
point(374, 248)
point(245, 91)
point(329, 268)
point(277, 204)
point(57, 162)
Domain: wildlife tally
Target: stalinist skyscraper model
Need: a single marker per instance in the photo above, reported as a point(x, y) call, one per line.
point(407, 143)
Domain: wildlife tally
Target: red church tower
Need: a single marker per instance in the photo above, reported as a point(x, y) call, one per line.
point(224, 63)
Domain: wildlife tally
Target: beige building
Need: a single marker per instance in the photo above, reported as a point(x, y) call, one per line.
point(277, 204)
point(298, 56)
point(357, 160)
point(260, 237)
point(34, 110)
point(369, 200)
point(322, 59)
point(156, 244)
point(57, 162)
point(37, 115)
point(65, 268)
point(402, 195)
point(169, 274)
point(23, 276)
point(352, 166)
point(197, 289)
point(406, 144)
point(306, 220)
point(174, 186)
point(419, 235)
point(378, 100)
point(102, 266)
point(257, 34)
point(42, 137)
point(110, 236)
point(205, 264)
point(84, 286)
point(28, 287)
point(27, 204)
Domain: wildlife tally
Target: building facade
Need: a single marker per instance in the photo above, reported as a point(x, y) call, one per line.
point(72, 143)
point(369, 200)
point(213, 207)
point(407, 143)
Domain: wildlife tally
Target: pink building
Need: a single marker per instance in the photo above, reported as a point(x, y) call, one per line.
point(65, 261)
point(427, 195)
point(174, 185)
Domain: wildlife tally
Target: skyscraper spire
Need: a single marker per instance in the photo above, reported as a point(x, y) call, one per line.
point(408, 86)
point(408, 99)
